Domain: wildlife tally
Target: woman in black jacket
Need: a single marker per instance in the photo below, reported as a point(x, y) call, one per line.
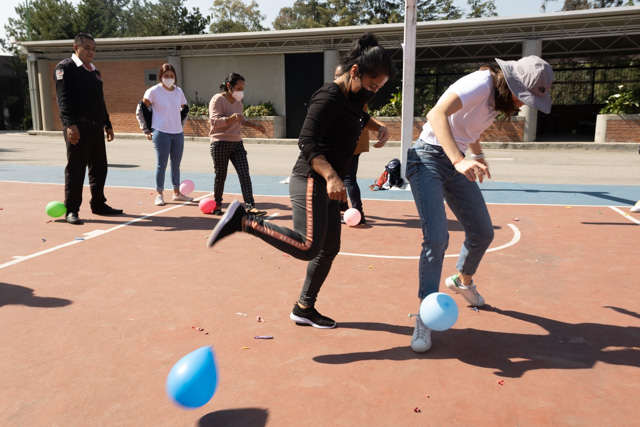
point(335, 119)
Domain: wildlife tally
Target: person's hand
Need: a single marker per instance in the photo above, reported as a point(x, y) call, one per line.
point(73, 134)
point(261, 128)
point(237, 117)
point(149, 136)
point(383, 137)
point(473, 169)
point(336, 189)
point(110, 134)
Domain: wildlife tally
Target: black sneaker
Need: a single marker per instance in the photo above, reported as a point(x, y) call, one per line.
point(362, 220)
point(106, 210)
point(310, 316)
point(231, 222)
point(72, 218)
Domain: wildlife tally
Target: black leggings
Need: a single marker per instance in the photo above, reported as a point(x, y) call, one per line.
point(316, 234)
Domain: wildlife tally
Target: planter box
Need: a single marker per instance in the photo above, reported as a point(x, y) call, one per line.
point(512, 131)
point(617, 128)
point(274, 126)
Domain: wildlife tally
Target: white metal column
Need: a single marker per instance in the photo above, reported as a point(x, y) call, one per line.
point(331, 60)
point(32, 74)
point(408, 80)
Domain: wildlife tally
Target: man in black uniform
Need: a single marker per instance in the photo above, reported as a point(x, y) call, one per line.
point(83, 113)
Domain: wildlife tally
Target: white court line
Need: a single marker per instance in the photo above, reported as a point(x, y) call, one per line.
point(624, 214)
point(94, 233)
point(514, 240)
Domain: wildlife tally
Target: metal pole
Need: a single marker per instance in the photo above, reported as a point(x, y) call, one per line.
point(28, 23)
point(408, 80)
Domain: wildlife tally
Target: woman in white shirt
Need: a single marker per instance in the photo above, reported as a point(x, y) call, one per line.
point(226, 121)
point(437, 169)
point(165, 101)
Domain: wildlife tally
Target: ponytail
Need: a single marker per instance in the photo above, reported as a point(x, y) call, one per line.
point(371, 58)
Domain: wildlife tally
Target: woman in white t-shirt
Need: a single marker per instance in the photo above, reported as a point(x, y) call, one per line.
point(437, 169)
point(165, 101)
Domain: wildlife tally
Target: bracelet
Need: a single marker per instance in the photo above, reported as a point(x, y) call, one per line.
point(457, 161)
point(476, 156)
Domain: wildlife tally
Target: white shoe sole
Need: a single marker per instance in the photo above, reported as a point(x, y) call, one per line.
point(306, 321)
point(455, 288)
point(231, 210)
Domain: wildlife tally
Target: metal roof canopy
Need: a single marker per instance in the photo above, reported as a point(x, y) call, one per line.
point(585, 33)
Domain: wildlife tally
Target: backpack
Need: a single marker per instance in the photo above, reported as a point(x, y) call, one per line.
point(390, 177)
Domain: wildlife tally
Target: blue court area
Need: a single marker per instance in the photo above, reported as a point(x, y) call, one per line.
point(494, 192)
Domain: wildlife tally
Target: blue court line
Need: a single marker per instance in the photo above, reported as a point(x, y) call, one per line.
point(266, 185)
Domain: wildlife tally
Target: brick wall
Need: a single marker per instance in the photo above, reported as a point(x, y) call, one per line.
point(124, 86)
point(623, 131)
point(512, 131)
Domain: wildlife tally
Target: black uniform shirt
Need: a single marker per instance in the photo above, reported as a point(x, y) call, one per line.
point(79, 93)
point(332, 127)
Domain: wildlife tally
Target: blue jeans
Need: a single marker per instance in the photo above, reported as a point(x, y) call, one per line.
point(168, 146)
point(433, 178)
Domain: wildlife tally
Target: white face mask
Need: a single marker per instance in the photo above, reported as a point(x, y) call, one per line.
point(238, 95)
point(168, 82)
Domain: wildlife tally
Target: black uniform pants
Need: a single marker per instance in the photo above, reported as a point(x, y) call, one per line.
point(89, 152)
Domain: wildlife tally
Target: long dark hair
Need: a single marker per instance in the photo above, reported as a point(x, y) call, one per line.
point(503, 98)
point(371, 58)
point(232, 78)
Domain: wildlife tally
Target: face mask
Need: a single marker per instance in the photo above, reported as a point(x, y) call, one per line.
point(238, 95)
point(168, 82)
point(363, 96)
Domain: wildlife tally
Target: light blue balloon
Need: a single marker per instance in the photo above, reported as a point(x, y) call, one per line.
point(193, 379)
point(438, 311)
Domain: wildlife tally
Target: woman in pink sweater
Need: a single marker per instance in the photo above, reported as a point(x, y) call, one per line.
point(226, 120)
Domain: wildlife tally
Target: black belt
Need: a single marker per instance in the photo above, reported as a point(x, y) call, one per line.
point(84, 120)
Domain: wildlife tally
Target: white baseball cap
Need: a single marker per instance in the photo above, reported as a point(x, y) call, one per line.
point(529, 79)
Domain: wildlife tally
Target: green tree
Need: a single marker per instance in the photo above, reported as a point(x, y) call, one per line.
point(306, 14)
point(164, 18)
point(234, 16)
point(590, 4)
point(481, 8)
point(50, 20)
point(102, 18)
point(436, 10)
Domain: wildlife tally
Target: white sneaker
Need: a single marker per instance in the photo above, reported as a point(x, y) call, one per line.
point(181, 198)
point(636, 208)
point(159, 200)
point(421, 339)
point(470, 293)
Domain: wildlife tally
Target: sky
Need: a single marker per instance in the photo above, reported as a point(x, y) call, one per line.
point(270, 8)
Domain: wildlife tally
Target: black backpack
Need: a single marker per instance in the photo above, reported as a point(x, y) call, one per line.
point(390, 177)
point(395, 177)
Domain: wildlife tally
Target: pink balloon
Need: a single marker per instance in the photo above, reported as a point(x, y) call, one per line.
point(207, 205)
point(186, 187)
point(352, 217)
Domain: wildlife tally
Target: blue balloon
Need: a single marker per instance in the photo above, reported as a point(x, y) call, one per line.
point(193, 379)
point(438, 311)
